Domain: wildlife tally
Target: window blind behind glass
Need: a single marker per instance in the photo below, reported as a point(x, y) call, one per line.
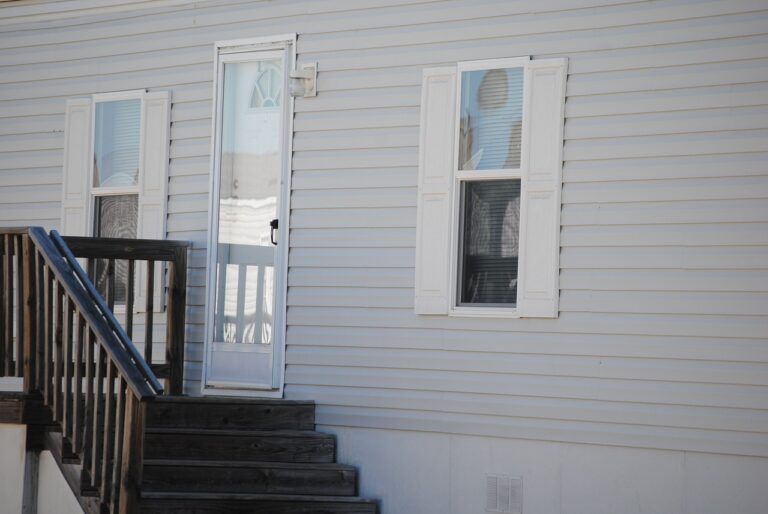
point(116, 146)
point(490, 221)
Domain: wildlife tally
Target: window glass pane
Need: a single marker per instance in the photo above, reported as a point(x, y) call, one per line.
point(490, 230)
point(491, 119)
point(249, 167)
point(116, 143)
point(116, 216)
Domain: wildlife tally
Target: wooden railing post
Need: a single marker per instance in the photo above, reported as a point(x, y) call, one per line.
point(30, 315)
point(133, 454)
point(175, 325)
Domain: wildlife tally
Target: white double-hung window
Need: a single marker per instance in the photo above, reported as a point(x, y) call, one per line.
point(490, 164)
point(116, 171)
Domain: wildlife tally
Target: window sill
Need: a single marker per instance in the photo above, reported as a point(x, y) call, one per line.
point(484, 312)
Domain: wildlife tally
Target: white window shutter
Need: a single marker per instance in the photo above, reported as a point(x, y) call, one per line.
point(539, 266)
point(153, 184)
point(433, 224)
point(77, 148)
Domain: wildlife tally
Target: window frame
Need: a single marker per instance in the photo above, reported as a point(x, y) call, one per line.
point(94, 191)
point(460, 176)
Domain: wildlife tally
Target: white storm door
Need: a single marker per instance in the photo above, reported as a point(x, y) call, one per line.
point(246, 268)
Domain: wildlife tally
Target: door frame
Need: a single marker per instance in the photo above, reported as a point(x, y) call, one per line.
point(249, 46)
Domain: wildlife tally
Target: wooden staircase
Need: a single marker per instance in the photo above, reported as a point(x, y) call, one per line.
point(123, 445)
point(219, 455)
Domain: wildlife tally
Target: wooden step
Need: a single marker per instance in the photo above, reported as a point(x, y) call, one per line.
point(239, 445)
point(230, 413)
point(205, 503)
point(249, 477)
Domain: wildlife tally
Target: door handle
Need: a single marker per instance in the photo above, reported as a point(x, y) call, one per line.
point(272, 228)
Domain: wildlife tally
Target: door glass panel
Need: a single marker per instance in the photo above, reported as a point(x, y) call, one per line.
point(491, 119)
point(115, 216)
point(116, 143)
point(249, 167)
point(490, 234)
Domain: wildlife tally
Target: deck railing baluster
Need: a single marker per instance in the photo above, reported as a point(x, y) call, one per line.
point(149, 311)
point(19, 311)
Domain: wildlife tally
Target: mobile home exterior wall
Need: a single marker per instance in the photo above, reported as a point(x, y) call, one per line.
point(662, 338)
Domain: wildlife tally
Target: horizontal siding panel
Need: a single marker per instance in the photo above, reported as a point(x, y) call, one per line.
point(352, 277)
point(358, 138)
point(305, 18)
point(359, 119)
point(722, 234)
point(354, 178)
point(354, 238)
point(711, 120)
point(663, 393)
point(191, 203)
point(32, 124)
point(741, 373)
point(745, 280)
point(189, 111)
point(689, 211)
point(736, 443)
point(393, 257)
point(553, 409)
point(674, 167)
point(31, 194)
point(730, 188)
point(187, 166)
point(350, 296)
point(78, 86)
point(32, 142)
point(609, 345)
point(31, 159)
point(742, 71)
point(667, 302)
point(46, 214)
point(351, 218)
point(686, 42)
point(567, 323)
point(670, 257)
point(67, 68)
point(29, 177)
point(667, 100)
point(637, 302)
point(382, 97)
point(527, 25)
point(198, 147)
point(356, 159)
point(677, 144)
point(350, 198)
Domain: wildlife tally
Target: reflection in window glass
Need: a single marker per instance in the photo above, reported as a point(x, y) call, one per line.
point(116, 143)
point(115, 216)
point(491, 119)
point(490, 231)
point(249, 167)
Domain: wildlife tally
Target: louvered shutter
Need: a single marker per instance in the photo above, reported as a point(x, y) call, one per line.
point(153, 183)
point(433, 224)
point(77, 148)
point(540, 200)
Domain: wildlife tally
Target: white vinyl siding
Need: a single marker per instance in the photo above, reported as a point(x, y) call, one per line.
point(661, 336)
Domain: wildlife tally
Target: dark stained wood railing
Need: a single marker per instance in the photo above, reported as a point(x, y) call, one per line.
point(63, 339)
point(107, 254)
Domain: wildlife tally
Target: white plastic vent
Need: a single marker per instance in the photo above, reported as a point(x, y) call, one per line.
point(504, 494)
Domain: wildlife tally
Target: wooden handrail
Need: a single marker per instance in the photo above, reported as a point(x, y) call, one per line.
point(149, 251)
point(107, 314)
point(65, 276)
point(62, 337)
